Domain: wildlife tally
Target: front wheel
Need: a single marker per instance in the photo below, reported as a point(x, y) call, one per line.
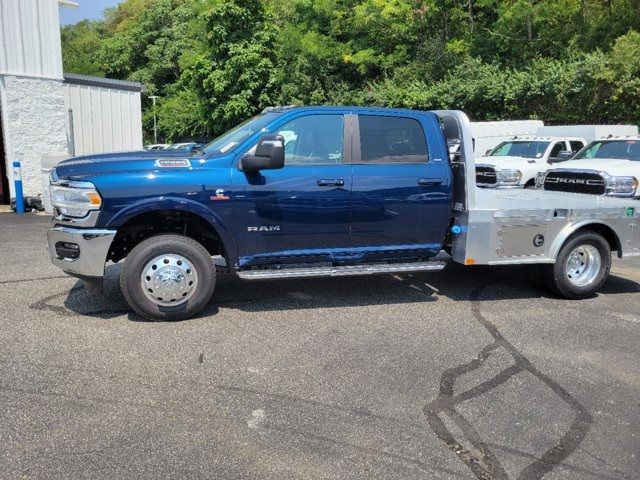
point(581, 268)
point(168, 277)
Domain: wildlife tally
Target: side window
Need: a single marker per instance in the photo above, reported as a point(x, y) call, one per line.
point(314, 139)
point(391, 140)
point(576, 145)
point(557, 148)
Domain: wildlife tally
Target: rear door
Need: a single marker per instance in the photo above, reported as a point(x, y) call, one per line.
point(300, 213)
point(401, 193)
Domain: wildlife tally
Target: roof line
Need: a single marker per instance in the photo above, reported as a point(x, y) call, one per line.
point(76, 79)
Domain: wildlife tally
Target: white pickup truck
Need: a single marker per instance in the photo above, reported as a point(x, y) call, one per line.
point(515, 163)
point(609, 167)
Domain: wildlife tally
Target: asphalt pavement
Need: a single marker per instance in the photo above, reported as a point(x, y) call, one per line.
point(473, 372)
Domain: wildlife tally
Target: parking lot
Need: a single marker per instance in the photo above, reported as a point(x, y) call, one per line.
point(467, 373)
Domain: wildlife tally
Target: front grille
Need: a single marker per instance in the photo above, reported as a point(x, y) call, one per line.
point(575, 182)
point(486, 175)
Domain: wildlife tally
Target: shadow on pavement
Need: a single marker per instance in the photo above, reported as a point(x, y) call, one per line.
point(455, 282)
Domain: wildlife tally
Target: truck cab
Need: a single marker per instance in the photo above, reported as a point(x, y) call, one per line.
point(291, 186)
point(516, 162)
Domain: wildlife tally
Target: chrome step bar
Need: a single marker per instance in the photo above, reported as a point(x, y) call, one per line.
point(342, 271)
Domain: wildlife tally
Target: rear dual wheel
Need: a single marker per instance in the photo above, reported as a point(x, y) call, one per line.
point(168, 277)
point(582, 266)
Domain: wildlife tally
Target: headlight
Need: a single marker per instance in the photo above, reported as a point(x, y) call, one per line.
point(540, 177)
point(621, 186)
point(508, 177)
point(75, 201)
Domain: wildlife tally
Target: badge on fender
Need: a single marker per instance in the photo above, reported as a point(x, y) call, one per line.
point(173, 163)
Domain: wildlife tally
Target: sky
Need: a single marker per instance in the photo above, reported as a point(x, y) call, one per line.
point(88, 9)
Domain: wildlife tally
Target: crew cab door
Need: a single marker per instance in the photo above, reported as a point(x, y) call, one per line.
point(300, 213)
point(401, 194)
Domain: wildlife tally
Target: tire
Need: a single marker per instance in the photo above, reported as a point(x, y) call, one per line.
point(582, 266)
point(168, 277)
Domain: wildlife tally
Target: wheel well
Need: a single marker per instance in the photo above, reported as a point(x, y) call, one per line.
point(157, 222)
point(607, 233)
point(530, 183)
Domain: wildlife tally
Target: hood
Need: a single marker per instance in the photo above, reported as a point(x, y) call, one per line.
point(510, 162)
point(125, 162)
point(612, 166)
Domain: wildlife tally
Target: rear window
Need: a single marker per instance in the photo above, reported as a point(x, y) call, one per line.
point(391, 140)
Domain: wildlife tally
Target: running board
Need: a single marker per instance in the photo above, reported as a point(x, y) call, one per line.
point(342, 271)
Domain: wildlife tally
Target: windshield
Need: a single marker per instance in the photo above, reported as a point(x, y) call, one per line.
point(237, 135)
point(619, 149)
point(526, 149)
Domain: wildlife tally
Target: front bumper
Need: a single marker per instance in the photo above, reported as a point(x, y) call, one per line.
point(90, 256)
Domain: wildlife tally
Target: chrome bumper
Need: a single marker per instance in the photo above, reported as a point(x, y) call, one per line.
point(93, 245)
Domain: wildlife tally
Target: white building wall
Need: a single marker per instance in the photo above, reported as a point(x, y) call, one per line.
point(104, 119)
point(30, 38)
point(34, 120)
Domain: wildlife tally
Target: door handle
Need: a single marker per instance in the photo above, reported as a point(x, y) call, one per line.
point(330, 182)
point(428, 182)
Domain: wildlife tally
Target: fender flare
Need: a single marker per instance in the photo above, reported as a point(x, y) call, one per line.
point(573, 228)
point(178, 204)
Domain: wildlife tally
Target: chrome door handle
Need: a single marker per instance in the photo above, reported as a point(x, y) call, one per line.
point(330, 182)
point(429, 182)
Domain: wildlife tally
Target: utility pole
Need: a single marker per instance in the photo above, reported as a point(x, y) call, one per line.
point(155, 121)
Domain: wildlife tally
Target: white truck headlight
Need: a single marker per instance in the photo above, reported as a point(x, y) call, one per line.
point(621, 186)
point(540, 177)
point(75, 201)
point(508, 177)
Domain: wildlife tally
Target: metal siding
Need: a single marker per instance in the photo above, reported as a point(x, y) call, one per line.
point(136, 115)
point(96, 115)
point(126, 121)
point(105, 119)
point(30, 38)
point(109, 140)
point(87, 119)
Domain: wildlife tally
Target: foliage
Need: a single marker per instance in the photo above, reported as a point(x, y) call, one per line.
point(216, 62)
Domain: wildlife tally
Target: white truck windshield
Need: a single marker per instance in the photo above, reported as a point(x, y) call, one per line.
point(618, 149)
point(526, 149)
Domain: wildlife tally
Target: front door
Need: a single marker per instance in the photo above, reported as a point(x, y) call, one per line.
point(300, 213)
point(401, 194)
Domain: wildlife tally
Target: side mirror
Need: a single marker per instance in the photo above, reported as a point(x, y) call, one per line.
point(269, 155)
point(562, 156)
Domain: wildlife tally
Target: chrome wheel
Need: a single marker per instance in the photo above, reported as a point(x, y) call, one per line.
point(583, 265)
point(169, 280)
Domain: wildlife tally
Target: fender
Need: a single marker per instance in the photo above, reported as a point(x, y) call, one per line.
point(178, 204)
point(569, 230)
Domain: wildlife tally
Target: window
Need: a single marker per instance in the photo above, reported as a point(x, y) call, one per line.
point(391, 140)
point(521, 148)
point(616, 149)
point(314, 139)
point(576, 145)
point(557, 148)
point(228, 141)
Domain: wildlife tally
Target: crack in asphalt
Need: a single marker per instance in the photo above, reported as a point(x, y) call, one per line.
point(481, 459)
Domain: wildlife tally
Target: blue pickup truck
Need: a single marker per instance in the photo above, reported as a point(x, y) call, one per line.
point(312, 191)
